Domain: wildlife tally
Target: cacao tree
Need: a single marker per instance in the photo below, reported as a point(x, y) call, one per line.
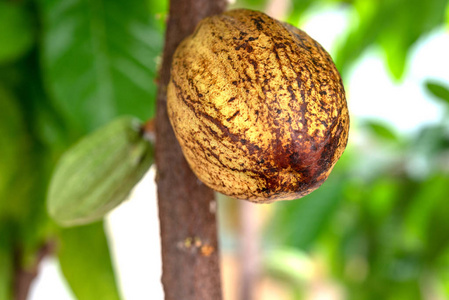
point(68, 68)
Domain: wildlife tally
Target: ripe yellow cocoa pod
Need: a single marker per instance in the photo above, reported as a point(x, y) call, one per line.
point(97, 173)
point(257, 106)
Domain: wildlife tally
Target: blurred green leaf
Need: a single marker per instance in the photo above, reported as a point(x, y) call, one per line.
point(298, 7)
point(250, 4)
point(438, 227)
point(381, 130)
point(408, 290)
point(6, 261)
point(12, 141)
point(431, 140)
point(426, 220)
point(290, 263)
point(15, 159)
point(17, 33)
point(438, 90)
point(86, 264)
point(441, 275)
point(22, 201)
point(447, 15)
point(395, 54)
point(381, 197)
point(157, 6)
point(428, 149)
point(99, 59)
point(159, 9)
point(395, 25)
point(298, 223)
point(292, 266)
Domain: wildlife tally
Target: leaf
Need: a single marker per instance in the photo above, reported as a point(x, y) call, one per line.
point(395, 54)
point(292, 264)
point(380, 198)
point(380, 23)
point(16, 34)
point(447, 15)
point(298, 8)
point(6, 267)
point(431, 142)
point(159, 9)
point(99, 59)
point(426, 219)
point(438, 90)
point(360, 35)
point(14, 182)
point(11, 136)
point(443, 278)
point(86, 263)
point(24, 163)
point(381, 130)
point(250, 4)
point(298, 223)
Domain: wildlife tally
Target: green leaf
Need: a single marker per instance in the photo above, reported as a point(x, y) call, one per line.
point(6, 261)
point(86, 264)
point(16, 34)
point(378, 22)
point(15, 184)
point(100, 59)
point(431, 142)
point(395, 54)
point(11, 136)
point(360, 35)
point(443, 278)
point(298, 223)
point(250, 4)
point(159, 9)
point(292, 264)
point(24, 165)
point(438, 90)
point(298, 8)
point(380, 197)
point(447, 15)
point(382, 131)
point(426, 219)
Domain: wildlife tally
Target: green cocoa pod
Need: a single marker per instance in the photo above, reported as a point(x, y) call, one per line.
point(257, 106)
point(98, 173)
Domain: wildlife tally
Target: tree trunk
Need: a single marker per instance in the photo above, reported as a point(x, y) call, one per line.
point(190, 254)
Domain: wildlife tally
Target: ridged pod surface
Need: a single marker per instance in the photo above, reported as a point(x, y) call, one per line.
point(258, 107)
point(98, 173)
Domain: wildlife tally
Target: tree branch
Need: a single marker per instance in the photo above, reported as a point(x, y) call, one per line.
point(24, 277)
point(190, 254)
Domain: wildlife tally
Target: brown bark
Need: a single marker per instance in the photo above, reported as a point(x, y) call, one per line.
point(190, 254)
point(24, 277)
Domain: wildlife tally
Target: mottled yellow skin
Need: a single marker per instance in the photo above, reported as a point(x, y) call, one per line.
point(258, 107)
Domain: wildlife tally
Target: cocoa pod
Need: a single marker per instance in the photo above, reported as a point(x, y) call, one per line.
point(258, 107)
point(98, 173)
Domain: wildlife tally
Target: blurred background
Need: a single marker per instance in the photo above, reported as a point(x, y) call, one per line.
point(378, 228)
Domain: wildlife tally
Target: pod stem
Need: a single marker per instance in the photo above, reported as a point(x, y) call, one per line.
point(190, 257)
point(148, 130)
